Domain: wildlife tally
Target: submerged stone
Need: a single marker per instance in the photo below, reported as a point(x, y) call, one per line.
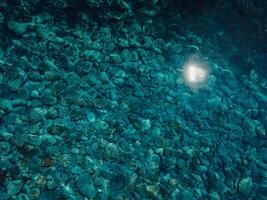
point(47, 98)
point(34, 140)
point(13, 187)
point(19, 28)
point(4, 148)
point(6, 105)
point(23, 196)
point(145, 124)
point(214, 104)
point(55, 129)
point(112, 151)
point(101, 125)
point(91, 117)
point(245, 186)
point(187, 195)
point(85, 185)
point(15, 79)
point(93, 55)
point(153, 190)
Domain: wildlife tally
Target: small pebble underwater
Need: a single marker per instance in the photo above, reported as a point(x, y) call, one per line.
point(133, 100)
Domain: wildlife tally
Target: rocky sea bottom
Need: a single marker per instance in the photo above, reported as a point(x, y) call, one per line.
point(95, 115)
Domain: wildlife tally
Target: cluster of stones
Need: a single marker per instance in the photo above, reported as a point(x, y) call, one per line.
point(98, 111)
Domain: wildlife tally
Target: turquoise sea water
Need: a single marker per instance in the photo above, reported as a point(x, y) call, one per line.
point(133, 99)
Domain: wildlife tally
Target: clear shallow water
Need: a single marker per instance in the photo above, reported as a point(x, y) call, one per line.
point(97, 102)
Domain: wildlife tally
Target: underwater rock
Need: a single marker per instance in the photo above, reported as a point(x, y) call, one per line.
point(123, 43)
point(229, 78)
point(262, 153)
point(55, 129)
point(23, 196)
point(35, 76)
point(145, 124)
point(4, 195)
point(76, 170)
point(51, 183)
point(23, 94)
point(187, 195)
point(261, 189)
point(34, 140)
point(120, 74)
point(181, 163)
point(72, 78)
point(153, 190)
point(214, 104)
point(213, 195)
point(58, 88)
point(15, 79)
point(115, 58)
point(91, 117)
point(105, 34)
point(92, 55)
point(35, 117)
point(262, 165)
point(261, 98)
point(51, 75)
point(222, 188)
point(124, 147)
point(32, 191)
point(250, 126)
point(85, 185)
point(159, 141)
point(6, 105)
point(112, 151)
point(19, 27)
point(13, 187)
point(4, 148)
point(202, 169)
point(245, 186)
point(126, 56)
point(104, 78)
point(52, 113)
point(91, 79)
point(108, 47)
point(48, 65)
point(100, 103)
point(100, 125)
point(47, 98)
point(260, 130)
